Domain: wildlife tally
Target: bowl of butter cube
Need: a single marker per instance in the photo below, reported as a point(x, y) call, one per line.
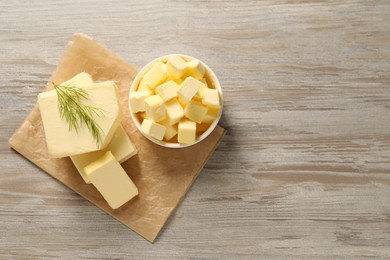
point(176, 101)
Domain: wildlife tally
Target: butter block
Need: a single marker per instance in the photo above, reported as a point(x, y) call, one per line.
point(186, 131)
point(167, 90)
point(176, 66)
point(196, 69)
point(154, 107)
point(62, 142)
point(153, 129)
point(188, 88)
point(155, 76)
point(195, 111)
point(111, 180)
point(174, 111)
point(211, 98)
point(136, 100)
point(120, 146)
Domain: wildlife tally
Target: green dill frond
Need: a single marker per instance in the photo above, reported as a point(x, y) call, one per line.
point(76, 113)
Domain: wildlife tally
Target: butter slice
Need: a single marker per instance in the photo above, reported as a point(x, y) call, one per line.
point(196, 69)
point(62, 142)
point(167, 90)
point(111, 180)
point(211, 98)
point(154, 107)
point(195, 111)
point(174, 111)
point(176, 66)
point(120, 146)
point(187, 131)
point(153, 129)
point(189, 88)
point(155, 76)
point(136, 100)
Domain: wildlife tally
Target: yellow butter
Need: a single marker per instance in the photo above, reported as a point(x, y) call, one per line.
point(201, 128)
point(189, 88)
point(142, 86)
point(174, 111)
point(155, 76)
point(171, 130)
point(153, 129)
point(111, 180)
point(195, 69)
point(211, 115)
point(62, 142)
point(176, 66)
point(167, 90)
point(199, 94)
point(81, 80)
point(186, 131)
point(120, 146)
point(154, 107)
point(211, 98)
point(136, 100)
point(186, 97)
point(195, 111)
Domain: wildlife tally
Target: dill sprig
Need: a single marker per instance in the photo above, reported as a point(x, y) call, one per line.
point(76, 113)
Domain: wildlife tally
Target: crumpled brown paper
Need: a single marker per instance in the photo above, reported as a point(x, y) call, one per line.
point(162, 175)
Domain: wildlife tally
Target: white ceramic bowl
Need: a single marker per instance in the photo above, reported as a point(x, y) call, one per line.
point(212, 81)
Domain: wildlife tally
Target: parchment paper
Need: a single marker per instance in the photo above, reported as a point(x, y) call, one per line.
point(162, 175)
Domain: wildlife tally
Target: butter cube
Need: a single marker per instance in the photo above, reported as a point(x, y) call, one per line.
point(142, 86)
point(111, 180)
point(177, 81)
point(211, 115)
point(174, 111)
point(120, 146)
point(153, 129)
point(195, 69)
point(154, 107)
point(182, 102)
point(136, 100)
point(211, 97)
point(176, 66)
point(155, 76)
point(199, 94)
point(187, 131)
point(167, 90)
point(188, 88)
point(170, 131)
point(195, 111)
point(62, 142)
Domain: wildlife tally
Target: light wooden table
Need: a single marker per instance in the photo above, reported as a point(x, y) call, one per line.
point(304, 171)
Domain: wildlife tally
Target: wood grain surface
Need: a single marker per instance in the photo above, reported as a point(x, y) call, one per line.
point(304, 170)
